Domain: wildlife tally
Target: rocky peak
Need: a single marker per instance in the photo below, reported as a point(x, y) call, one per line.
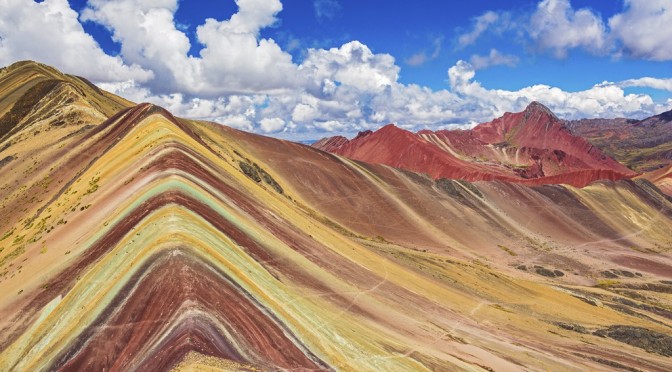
point(537, 108)
point(363, 133)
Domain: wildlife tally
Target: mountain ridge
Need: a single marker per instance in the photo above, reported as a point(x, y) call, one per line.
point(643, 145)
point(532, 147)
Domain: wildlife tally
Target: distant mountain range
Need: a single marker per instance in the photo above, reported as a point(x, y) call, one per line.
point(642, 145)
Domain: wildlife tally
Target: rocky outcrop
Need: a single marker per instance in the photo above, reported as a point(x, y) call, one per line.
point(643, 338)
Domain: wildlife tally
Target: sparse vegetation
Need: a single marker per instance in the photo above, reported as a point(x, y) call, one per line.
point(250, 171)
point(18, 239)
point(470, 186)
point(643, 338)
point(25, 104)
point(507, 250)
point(270, 180)
point(8, 234)
point(380, 239)
point(6, 160)
point(607, 283)
point(93, 185)
point(572, 327)
point(12, 255)
point(547, 272)
point(257, 174)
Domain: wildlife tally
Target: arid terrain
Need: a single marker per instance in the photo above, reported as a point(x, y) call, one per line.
point(134, 240)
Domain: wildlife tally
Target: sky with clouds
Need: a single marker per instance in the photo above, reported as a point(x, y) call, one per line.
point(311, 68)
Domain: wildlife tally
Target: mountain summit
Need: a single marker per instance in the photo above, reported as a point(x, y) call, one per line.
point(537, 107)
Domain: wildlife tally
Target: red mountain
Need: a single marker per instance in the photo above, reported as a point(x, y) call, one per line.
point(531, 147)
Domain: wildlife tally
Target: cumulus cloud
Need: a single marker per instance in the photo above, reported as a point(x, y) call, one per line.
point(304, 113)
point(641, 30)
point(270, 125)
point(494, 58)
point(644, 29)
point(330, 125)
point(353, 64)
point(239, 111)
point(413, 106)
point(51, 33)
point(234, 59)
point(601, 100)
point(249, 82)
point(557, 26)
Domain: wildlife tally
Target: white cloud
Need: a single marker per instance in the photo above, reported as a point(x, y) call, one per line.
point(237, 121)
point(234, 59)
point(557, 26)
point(230, 109)
point(252, 16)
point(480, 25)
point(494, 58)
point(304, 113)
point(602, 100)
point(330, 125)
point(641, 30)
point(50, 32)
point(270, 125)
point(644, 29)
point(648, 82)
point(246, 81)
point(413, 105)
point(353, 64)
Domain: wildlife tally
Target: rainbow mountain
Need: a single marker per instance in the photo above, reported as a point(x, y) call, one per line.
point(134, 240)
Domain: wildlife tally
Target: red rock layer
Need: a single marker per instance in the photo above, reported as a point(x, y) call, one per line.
point(532, 147)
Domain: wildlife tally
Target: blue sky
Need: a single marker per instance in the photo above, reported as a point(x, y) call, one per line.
point(302, 69)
